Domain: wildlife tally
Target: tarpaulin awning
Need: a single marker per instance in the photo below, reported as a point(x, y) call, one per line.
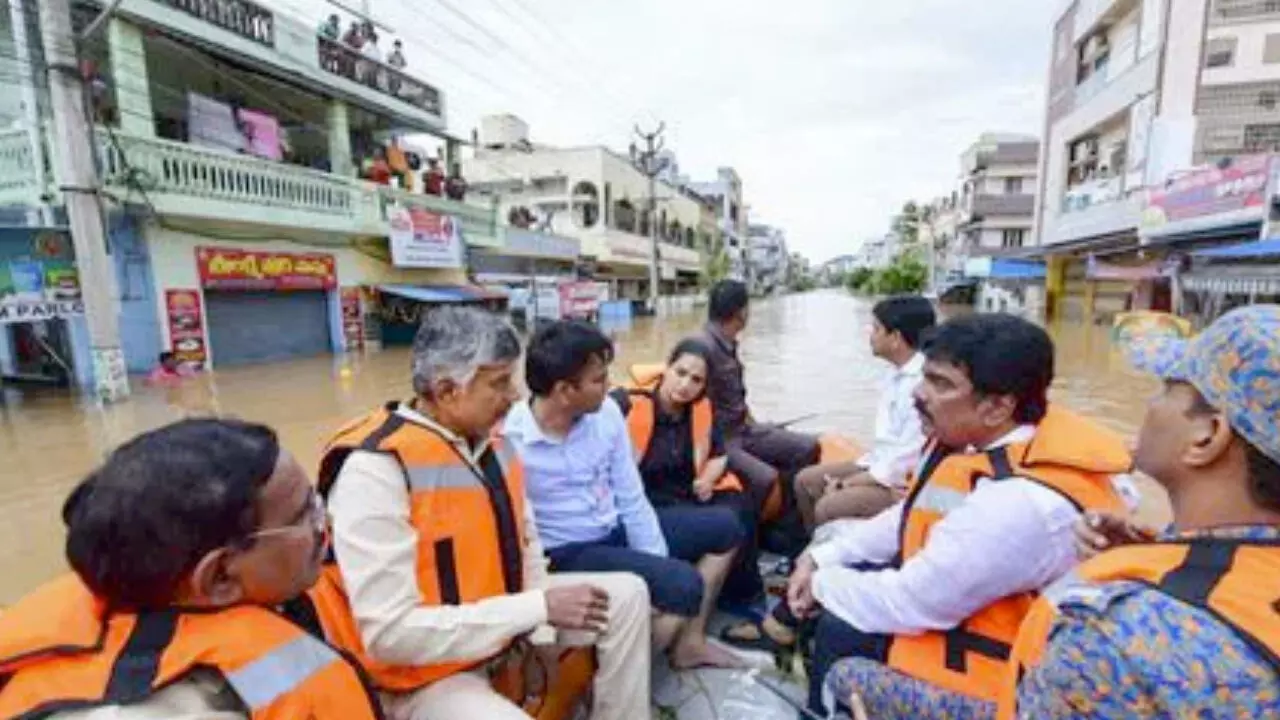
point(440, 294)
point(1256, 248)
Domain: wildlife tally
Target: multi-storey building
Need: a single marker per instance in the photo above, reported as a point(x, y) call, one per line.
point(1141, 93)
point(230, 139)
point(725, 195)
point(600, 198)
point(768, 259)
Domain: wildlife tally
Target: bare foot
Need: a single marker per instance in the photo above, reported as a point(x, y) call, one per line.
point(692, 654)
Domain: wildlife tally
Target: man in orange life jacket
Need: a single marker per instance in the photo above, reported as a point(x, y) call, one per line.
point(181, 545)
point(1187, 625)
point(986, 523)
point(439, 569)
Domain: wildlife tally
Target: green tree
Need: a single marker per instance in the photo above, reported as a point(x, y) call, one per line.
point(715, 259)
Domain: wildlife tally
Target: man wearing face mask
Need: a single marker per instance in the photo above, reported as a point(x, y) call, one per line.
point(929, 594)
point(182, 545)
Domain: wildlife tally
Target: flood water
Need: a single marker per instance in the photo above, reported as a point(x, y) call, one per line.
point(804, 354)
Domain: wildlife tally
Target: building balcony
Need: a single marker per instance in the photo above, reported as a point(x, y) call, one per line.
point(1105, 216)
point(619, 246)
point(984, 206)
point(341, 60)
point(246, 19)
point(186, 181)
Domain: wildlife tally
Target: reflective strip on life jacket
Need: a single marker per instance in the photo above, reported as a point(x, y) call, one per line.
point(469, 517)
point(281, 671)
point(971, 659)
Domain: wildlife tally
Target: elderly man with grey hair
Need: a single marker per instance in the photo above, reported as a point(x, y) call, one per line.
point(439, 570)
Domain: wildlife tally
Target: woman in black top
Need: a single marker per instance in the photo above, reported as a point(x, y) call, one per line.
point(698, 529)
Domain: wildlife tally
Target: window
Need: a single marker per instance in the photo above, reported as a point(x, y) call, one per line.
point(1013, 186)
point(1012, 238)
point(1271, 50)
point(1220, 52)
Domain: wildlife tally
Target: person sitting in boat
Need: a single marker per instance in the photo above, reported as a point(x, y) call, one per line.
point(927, 596)
point(1185, 625)
point(680, 453)
point(439, 572)
point(760, 454)
point(589, 500)
point(181, 546)
point(865, 487)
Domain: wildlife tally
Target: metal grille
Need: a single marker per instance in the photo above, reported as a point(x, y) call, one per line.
point(1231, 10)
point(1262, 137)
point(1237, 119)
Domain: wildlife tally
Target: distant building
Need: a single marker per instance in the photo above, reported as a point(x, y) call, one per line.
point(768, 259)
point(725, 195)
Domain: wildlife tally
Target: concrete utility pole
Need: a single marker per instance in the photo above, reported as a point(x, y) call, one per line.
point(649, 163)
point(77, 177)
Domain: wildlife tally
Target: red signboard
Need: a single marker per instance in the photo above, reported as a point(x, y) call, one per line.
point(579, 299)
point(352, 320)
point(1211, 191)
point(186, 327)
point(225, 269)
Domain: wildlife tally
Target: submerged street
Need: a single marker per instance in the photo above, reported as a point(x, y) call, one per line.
point(805, 354)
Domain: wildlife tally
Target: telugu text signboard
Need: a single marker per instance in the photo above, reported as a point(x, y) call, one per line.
point(226, 269)
point(186, 327)
point(424, 239)
point(1237, 191)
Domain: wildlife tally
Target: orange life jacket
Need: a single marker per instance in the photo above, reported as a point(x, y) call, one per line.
point(60, 650)
point(1226, 578)
point(1070, 455)
point(642, 412)
point(470, 525)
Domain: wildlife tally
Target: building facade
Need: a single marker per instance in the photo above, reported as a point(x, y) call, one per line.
point(1149, 100)
point(231, 141)
point(725, 196)
point(598, 197)
point(768, 259)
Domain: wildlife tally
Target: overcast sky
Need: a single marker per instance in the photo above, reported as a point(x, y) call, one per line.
point(833, 111)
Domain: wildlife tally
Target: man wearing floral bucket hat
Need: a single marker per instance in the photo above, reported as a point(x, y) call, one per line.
point(1188, 624)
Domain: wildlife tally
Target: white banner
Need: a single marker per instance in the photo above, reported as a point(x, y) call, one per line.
point(424, 239)
point(21, 311)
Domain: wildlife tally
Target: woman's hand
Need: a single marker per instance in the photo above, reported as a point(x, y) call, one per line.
point(1097, 532)
point(704, 486)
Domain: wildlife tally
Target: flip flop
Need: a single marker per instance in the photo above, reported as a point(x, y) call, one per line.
point(761, 643)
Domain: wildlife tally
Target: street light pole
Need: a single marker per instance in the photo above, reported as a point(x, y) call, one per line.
point(77, 176)
point(649, 163)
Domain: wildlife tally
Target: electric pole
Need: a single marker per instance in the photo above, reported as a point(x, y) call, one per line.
point(77, 178)
point(649, 163)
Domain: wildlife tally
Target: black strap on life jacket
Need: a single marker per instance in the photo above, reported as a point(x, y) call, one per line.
point(1208, 561)
point(134, 673)
point(510, 544)
point(960, 642)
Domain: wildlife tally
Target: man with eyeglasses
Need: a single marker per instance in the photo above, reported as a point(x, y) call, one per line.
point(182, 545)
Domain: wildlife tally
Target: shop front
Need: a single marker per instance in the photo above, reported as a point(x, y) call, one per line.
point(257, 307)
point(43, 339)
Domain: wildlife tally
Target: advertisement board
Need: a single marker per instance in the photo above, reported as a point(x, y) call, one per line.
point(185, 318)
point(424, 239)
point(1238, 190)
point(227, 269)
point(352, 319)
point(32, 290)
point(581, 299)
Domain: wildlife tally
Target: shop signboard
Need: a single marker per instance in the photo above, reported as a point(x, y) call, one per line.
point(229, 269)
point(186, 327)
point(1236, 193)
point(581, 299)
point(352, 318)
point(35, 290)
point(424, 239)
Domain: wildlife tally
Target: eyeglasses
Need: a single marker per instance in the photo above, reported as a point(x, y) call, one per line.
point(315, 518)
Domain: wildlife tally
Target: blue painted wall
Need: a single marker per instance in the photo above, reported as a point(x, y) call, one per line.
point(135, 281)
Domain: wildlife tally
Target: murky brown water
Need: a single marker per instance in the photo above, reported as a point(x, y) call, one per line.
point(804, 354)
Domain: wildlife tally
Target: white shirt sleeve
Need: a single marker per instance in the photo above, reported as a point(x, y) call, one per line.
point(899, 438)
point(874, 540)
point(1008, 537)
point(377, 552)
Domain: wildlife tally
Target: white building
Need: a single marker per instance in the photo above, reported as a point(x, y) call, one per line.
point(1141, 91)
point(997, 193)
point(596, 196)
point(725, 193)
point(768, 259)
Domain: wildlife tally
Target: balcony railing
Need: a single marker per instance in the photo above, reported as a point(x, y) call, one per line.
point(244, 18)
point(341, 59)
point(166, 167)
point(988, 205)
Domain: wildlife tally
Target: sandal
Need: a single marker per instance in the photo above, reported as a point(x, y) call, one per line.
point(750, 635)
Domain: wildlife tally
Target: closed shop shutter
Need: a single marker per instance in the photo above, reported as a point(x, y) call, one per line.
point(256, 327)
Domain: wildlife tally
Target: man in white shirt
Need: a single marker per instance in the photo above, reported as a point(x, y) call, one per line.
point(929, 593)
point(878, 479)
point(437, 551)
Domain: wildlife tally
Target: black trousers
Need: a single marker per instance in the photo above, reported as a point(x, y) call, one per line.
point(834, 640)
